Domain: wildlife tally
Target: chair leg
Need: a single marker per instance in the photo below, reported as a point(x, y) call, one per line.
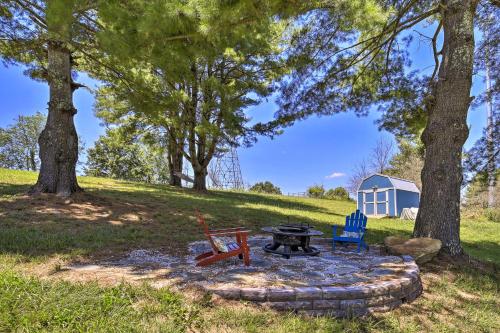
point(204, 255)
point(359, 246)
point(333, 245)
point(246, 256)
point(245, 250)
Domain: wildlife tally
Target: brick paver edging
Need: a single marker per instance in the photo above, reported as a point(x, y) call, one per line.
point(349, 301)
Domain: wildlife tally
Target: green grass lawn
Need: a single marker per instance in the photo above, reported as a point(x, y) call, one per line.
point(111, 217)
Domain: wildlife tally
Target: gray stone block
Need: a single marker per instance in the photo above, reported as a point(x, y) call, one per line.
point(229, 293)
point(352, 303)
point(290, 306)
point(254, 294)
point(379, 300)
point(405, 282)
point(281, 294)
point(408, 258)
point(392, 285)
point(378, 289)
point(322, 304)
point(411, 288)
point(412, 296)
point(343, 293)
point(307, 293)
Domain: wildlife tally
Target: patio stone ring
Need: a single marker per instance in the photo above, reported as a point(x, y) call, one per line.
point(341, 283)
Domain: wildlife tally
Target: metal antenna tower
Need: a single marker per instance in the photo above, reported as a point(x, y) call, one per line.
point(225, 172)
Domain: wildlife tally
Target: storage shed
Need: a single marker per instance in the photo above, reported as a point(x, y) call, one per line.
point(381, 195)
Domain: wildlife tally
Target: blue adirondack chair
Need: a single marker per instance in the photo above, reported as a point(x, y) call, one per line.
point(354, 223)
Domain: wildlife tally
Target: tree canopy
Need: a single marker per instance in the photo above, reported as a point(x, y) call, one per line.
point(19, 143)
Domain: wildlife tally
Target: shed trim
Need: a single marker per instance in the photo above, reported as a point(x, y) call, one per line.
point(411, 188)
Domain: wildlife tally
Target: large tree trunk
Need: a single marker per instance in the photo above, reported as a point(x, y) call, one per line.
point(200, 179)
point(446, 130)
point(32, 160)
point(59, 141)
point(175, 164)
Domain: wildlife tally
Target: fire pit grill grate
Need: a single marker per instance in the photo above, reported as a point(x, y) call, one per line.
point(294, 238)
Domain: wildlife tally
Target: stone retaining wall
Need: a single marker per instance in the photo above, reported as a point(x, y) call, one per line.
point(347, 301)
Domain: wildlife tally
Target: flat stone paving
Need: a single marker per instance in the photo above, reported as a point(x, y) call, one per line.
point(341, 283)
point(343, 267)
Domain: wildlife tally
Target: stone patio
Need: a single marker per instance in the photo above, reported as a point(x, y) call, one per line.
point(341, 283)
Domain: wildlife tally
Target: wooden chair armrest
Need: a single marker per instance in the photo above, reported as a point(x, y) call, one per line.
point(234, 232)
point(226, 229)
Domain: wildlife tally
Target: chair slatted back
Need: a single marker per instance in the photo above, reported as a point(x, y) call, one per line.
point(206, 231)
point(355, 222)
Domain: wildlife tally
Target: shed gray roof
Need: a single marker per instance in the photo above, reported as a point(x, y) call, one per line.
point(403, 184)
point(399, 183)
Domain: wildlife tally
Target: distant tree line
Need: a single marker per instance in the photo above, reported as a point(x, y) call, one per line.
point(318, 191)
point(19, 143)
point(265, 187)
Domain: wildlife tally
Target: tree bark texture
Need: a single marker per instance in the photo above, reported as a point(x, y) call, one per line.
point(58, 140)
point(446, 130)
point(200, 179)
point(175, 155)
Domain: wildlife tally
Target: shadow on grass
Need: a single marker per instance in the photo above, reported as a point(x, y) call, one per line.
point(105, 221)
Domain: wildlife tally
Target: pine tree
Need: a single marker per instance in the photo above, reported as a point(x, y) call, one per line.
point(44, 36)
point(203, 65)
point(351, 55)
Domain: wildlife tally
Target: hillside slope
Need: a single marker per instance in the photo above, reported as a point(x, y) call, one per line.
point(113, 216)
point(39, 235)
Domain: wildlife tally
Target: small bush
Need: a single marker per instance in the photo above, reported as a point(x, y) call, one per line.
point(492, 214)
point(338, 193)
point(316, 191)
point(265, 187)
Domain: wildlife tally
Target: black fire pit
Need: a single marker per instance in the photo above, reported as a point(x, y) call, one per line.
point(294, 238)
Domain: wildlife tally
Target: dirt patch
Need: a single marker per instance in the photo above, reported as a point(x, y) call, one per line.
point(344, 267)
point(84, 206)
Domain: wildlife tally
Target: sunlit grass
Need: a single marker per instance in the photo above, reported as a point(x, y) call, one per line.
point(115, 216)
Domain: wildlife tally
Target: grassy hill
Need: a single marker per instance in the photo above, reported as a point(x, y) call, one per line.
point(114, 216)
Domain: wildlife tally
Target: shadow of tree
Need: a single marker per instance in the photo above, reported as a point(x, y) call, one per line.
point(102, 221)
point(106, 220)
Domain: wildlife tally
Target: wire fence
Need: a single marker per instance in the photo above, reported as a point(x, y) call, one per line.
point(297, 194)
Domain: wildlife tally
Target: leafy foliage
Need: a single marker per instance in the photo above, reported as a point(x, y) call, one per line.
point(19, 143)
point(120, 156)
point(265, 187)
point(200, 70)
point(408, 162)
point(338, 193)
point(316, 191)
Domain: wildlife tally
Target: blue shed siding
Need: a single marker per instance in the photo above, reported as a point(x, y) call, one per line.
point(375, 181)
point(406, 199)
point(360, 201)
point(391, 202)
point(370, 209)
point(396, 199)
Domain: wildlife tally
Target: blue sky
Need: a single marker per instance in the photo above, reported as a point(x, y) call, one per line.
point(305, 154)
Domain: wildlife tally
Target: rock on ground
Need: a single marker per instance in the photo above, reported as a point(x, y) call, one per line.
point(421, 249)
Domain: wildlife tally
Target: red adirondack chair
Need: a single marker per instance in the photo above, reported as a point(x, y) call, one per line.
point(238, 248)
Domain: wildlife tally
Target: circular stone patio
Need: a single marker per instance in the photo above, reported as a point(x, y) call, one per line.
point(341, 283)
